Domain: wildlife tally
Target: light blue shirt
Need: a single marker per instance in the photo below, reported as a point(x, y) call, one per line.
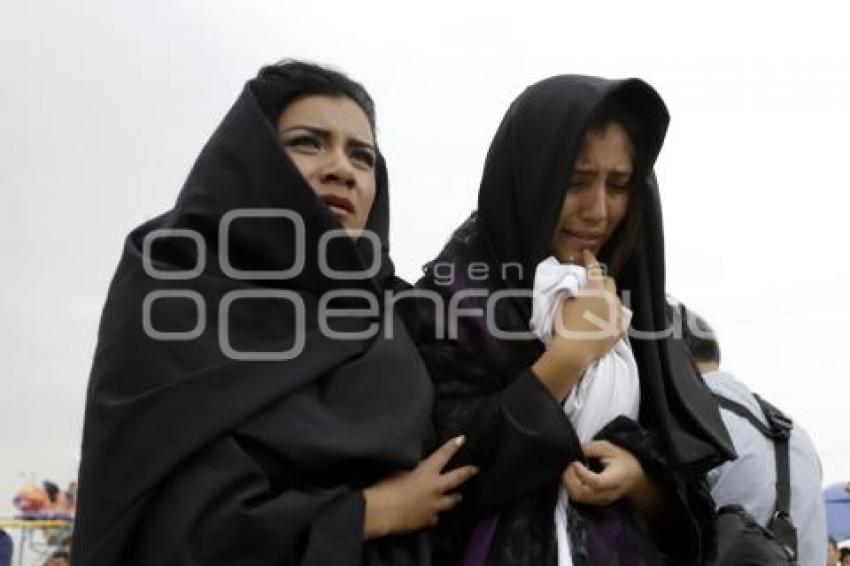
point(750, 480)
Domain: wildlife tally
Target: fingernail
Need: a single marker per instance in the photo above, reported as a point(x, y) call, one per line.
point(458, 497)
point(473, 471)
point(460, 440)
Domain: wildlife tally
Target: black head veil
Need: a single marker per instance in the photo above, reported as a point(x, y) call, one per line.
point(525, 177)
point(152, 404)
point(528, 167)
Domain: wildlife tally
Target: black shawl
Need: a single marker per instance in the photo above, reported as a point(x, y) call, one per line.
point(194, 456)
point(518, 434)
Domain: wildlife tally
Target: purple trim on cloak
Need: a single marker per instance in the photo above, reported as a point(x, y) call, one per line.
point(479, 542)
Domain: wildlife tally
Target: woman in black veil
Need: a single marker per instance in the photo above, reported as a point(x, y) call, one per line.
point(636, 494)
point(252, 401)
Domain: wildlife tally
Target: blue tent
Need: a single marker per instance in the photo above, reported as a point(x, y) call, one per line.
point(5, 548)
point(837, 499)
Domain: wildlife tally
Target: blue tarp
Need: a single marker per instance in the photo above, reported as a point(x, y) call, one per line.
point(837, 499)
point(5, 549)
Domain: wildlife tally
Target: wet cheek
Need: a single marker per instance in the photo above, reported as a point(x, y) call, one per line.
point(620, 208)
point(369, 197)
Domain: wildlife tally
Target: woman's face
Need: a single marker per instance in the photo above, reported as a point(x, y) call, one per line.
point(331, 143)
point(598, 196)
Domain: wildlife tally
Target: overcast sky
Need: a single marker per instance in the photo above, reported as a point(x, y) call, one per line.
point(105, 105)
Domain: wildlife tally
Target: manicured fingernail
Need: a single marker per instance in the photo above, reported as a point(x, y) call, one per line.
point(460, 440)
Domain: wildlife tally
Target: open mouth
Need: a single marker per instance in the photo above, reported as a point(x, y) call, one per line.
point(339, 206)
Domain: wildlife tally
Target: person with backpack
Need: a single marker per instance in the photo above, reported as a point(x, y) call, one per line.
point(772, 492)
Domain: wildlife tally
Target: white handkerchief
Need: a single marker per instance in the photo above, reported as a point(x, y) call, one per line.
point(609, 387)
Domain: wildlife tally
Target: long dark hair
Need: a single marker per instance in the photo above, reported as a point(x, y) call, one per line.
point(626, 239)
point(278, 85)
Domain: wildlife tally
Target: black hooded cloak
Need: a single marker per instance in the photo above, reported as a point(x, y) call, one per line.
point(518, 435)
point(194, 456)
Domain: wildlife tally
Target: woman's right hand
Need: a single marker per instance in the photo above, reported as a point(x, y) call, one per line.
point(589, 326)
point(409, 501)
point(592, 322)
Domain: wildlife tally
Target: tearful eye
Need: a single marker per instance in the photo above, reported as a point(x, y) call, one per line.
point(619, 188)
point(364, 156)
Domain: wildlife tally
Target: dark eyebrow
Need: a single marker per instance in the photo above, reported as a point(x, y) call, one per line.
point(326, 134)
point(361, 144)
point(322, 133)
point(580, 171)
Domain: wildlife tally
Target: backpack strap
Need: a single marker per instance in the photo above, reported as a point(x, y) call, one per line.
point(779, 431)
point(781, 524)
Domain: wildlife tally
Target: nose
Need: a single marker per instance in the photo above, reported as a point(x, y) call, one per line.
point(594, 204)
point(337, 169)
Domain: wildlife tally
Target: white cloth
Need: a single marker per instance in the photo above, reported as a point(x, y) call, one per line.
point(610, 387)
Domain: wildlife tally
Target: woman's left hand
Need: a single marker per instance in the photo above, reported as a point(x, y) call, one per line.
point(621, 475)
